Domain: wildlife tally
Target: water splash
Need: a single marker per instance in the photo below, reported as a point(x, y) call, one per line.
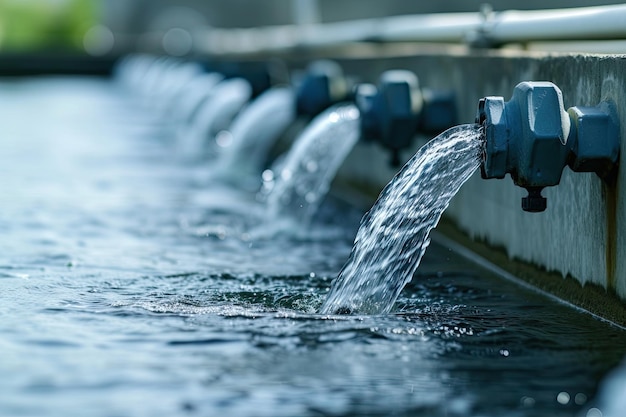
point(394, 234)
point(304, 176)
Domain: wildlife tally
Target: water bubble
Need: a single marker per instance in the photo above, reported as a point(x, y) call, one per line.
point(267, 175)
point(310, 197)
point(224, 139)
point(504, 352)
point(580, 398)
point(311, 166)
point(527, 401)
point(594, 412)
point(563, 398)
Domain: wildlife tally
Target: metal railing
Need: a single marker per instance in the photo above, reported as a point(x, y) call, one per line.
point(486, 28)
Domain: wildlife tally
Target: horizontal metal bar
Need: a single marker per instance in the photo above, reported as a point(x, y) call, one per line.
point(583, 23)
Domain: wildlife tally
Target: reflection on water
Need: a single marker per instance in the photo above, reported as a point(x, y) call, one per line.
point(132, 286)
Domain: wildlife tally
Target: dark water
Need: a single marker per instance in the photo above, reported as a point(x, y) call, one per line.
point(133, 286)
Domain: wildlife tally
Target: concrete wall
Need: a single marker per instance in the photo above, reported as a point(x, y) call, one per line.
point(583, 231)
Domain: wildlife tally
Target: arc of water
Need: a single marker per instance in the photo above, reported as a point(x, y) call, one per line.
point(394, 234)
point(254, 131)
point(224, 101)
point(192, 95)
point(305, 174)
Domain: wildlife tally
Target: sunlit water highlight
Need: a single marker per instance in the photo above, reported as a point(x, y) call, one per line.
point(131, 286)
point(394, 234)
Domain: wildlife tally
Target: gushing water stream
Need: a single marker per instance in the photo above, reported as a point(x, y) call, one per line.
point(304, 177)
point(254, 131)
point(394, 234)
point(222, 103)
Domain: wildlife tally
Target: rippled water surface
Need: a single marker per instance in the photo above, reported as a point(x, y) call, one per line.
point(131, 285)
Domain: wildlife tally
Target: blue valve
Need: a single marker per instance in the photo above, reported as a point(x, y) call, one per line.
point(532, 138)
point(394, 111)
point(323, 85)
point(260, 75)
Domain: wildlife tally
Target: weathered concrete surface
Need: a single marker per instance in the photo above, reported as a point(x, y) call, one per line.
point(583, 232)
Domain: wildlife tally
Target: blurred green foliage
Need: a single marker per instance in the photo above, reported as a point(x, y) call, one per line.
point(27, 25)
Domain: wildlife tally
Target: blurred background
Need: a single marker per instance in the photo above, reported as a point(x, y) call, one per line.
point(100, 27)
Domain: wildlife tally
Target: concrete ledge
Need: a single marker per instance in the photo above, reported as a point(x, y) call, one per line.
point(590, 298)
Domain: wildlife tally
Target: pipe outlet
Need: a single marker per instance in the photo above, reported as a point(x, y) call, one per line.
point(260, 75)
point(397, 108)
point(532, 138)
point(323, 85)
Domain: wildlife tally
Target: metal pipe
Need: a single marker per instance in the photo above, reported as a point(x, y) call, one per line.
point(306, 12)
point(602, 22)
point(583, 23)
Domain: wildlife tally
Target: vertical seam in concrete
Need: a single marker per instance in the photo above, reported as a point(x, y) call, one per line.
point(611, 235)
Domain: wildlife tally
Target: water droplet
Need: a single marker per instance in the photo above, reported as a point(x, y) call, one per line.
point(594, 412)
point(563, 398)
point(310, 197)
point(580, 398)
point(311, 166)
point(267, 175)
point(224, 139)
